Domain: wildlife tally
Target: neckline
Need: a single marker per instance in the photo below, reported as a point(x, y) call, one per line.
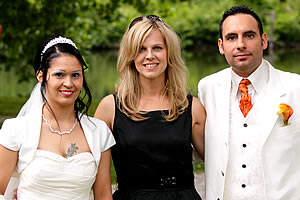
point(56, 155)
point(153, 111)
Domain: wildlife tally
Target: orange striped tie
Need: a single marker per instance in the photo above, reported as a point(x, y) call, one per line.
point(245, 102)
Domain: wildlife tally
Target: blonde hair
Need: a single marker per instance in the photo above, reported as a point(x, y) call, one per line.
point(129, 88)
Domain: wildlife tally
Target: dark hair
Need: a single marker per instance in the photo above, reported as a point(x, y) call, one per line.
point(241, 9)
point(43, 61)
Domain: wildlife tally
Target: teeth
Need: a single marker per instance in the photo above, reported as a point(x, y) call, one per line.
point(65, 92)
point(151, 65)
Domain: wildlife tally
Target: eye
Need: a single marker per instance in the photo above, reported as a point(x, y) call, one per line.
point(142, 49)
point(59, 75)
point(157, 48)
point(76, 75)
point(250, 35)
point(230, 37)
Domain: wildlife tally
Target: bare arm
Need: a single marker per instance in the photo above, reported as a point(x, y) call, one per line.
point(8, 161)
point(106, 110)
point(198, 127)
point(102, 186)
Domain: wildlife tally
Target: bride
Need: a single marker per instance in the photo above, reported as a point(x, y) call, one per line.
point(58, 152)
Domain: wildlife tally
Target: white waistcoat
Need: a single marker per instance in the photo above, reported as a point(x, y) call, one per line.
point(244, 175)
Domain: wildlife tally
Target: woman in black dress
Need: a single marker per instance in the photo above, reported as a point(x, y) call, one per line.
point(154, 121)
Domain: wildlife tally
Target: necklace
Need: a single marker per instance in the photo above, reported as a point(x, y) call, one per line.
point(56, 131)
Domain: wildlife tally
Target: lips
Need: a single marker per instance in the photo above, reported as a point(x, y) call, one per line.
point(244, 55)
point(150, 65)
point(66, 92)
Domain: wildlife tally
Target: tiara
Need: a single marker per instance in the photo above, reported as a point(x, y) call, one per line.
point(58, 40)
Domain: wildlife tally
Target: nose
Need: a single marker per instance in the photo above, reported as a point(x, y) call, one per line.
point(149, 54)
point(241, 43)
point(68, 81)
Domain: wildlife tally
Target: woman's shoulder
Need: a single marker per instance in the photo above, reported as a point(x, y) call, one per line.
point(106, 110)
point(107, 103)
point(196, 104)
point(16, 122)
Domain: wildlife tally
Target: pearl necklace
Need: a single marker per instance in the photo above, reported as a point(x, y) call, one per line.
point(56, 131)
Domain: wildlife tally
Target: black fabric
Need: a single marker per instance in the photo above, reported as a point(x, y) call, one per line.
point(153, 158)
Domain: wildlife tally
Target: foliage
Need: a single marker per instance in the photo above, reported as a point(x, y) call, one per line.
point(26, 23)
point(287, 19)
point(198, 167)
point(10, 106)
point(100, 24)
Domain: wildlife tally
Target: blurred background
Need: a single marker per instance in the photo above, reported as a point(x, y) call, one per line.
point(96, 26)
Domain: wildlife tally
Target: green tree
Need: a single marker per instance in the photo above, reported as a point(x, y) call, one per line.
point(26, 23)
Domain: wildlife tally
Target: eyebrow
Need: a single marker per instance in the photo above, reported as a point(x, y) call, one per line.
point(156, 44)
point(58, 70)
point(61, 70)
point(246, 32)
point(250, 32)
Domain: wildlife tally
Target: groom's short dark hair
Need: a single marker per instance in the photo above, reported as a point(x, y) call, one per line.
point(240, 9)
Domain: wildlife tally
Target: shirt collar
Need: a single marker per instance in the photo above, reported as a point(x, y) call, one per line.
point(258, 78)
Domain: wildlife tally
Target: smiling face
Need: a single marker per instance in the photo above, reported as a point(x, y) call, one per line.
point(242, 44)
point(64, 80)
point(151, 61)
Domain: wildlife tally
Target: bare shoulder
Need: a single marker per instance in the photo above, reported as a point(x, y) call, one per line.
point(198, 111)
point(197, 105)
point(107, 101)
point(106, 110)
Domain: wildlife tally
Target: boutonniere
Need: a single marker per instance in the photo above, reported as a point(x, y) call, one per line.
point(286, 111)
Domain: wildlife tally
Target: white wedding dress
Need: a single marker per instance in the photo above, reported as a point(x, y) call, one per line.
point(51, 176)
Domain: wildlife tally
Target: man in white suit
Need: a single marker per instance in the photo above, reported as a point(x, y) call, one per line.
point(250, 154)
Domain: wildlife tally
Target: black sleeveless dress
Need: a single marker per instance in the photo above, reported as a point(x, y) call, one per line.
point(153, 158)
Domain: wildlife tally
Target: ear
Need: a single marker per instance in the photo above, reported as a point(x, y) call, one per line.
point(221, 48)
point(39, 76)
point(264, 38)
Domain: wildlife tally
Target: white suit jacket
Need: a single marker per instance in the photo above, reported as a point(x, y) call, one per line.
point(280, 153)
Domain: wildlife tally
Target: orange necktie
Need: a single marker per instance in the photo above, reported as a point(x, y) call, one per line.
point(245, 103)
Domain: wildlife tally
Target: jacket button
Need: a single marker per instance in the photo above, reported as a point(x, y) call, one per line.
point(243, 185)
point(245, 125)
point(222, 173)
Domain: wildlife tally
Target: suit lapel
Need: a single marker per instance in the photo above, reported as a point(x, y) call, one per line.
point(224, 102)
point(272, 98)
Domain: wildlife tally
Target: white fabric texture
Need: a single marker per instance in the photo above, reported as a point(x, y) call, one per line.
point(243, 167)
point(34, 102)
point(51, 176)
point(22, 134)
